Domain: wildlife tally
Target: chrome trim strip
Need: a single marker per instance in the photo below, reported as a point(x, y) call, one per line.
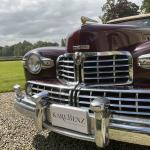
point(131, 120)
point(107, 77)
point(51, 85)
point(116, 89)
point(52, 92)
point(90, 67)
point(70, 133)
point(115, 134)
point(89, 61)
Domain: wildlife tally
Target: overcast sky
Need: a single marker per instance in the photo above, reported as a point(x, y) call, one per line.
point(47, 20)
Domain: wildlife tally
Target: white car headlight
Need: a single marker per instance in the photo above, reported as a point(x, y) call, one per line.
point(144, 61)
point(34, 64)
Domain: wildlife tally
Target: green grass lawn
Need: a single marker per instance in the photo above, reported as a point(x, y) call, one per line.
point(11, 73)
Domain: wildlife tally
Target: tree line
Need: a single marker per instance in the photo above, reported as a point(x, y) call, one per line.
point(21, 48)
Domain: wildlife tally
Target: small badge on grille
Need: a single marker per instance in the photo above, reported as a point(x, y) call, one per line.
point(81, 47)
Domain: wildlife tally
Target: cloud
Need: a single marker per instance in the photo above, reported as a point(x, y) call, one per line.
point(48, 20)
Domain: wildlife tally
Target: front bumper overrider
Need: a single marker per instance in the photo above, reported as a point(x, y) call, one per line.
point(102, 125)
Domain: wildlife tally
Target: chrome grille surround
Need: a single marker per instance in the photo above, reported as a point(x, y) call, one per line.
point(66, 69)
point(108, 68)
point(96, 68)
point(58, 94)
point(134, 102)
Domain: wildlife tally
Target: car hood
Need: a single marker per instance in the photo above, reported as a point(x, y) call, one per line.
point(97, 38)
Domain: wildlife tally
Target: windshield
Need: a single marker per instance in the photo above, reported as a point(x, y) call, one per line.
point(140, 23)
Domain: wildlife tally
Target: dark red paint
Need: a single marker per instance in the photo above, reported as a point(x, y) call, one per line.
point(102, 38)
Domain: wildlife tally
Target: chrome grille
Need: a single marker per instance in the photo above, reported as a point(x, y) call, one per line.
point(135, 102)
point(129, 102)
point(66, 68)
point(96, 68)
point(108, 68)
point(57, 94)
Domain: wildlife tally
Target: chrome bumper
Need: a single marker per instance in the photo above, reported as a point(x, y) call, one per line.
point(121, 128)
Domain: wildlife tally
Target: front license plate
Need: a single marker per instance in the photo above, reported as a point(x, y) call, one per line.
point(69, 117)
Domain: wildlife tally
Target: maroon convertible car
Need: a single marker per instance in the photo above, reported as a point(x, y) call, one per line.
point(97, 88)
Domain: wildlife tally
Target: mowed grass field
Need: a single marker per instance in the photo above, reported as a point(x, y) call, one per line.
point(11, 73)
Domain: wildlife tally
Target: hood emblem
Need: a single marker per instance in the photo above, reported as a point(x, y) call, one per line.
point(81, 47)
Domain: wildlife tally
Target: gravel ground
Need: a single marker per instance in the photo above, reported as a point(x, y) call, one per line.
point(18, 132)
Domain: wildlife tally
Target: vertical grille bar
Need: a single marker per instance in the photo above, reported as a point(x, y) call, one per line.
point(136, 103)
point(114, 69)
point(97, 70)
point(120, 102)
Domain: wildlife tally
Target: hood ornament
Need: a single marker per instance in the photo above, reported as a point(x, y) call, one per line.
point(84, 20)
point(78, 58)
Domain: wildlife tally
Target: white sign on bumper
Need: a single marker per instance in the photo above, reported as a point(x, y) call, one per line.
point(68, 117)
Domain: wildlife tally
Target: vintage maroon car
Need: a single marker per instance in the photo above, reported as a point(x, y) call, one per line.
point(95, 89)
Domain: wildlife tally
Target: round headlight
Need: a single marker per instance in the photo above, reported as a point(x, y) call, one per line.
point(34, 64)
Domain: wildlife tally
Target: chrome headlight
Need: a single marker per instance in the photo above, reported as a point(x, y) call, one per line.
point(144, 61)
point(34, 64)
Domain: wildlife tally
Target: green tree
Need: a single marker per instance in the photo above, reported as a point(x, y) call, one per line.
point(116, 9)
point(145, 8)
point(18, 49)
point(1, 50)
point(26, 46)
point(63, 42)
point(5, 51)
point(44, 44)
point(21, 48)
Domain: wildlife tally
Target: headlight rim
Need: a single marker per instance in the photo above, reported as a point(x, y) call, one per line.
point(27, 60)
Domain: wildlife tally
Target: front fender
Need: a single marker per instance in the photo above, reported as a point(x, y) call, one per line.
point(46, 52)
point(141, 76)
